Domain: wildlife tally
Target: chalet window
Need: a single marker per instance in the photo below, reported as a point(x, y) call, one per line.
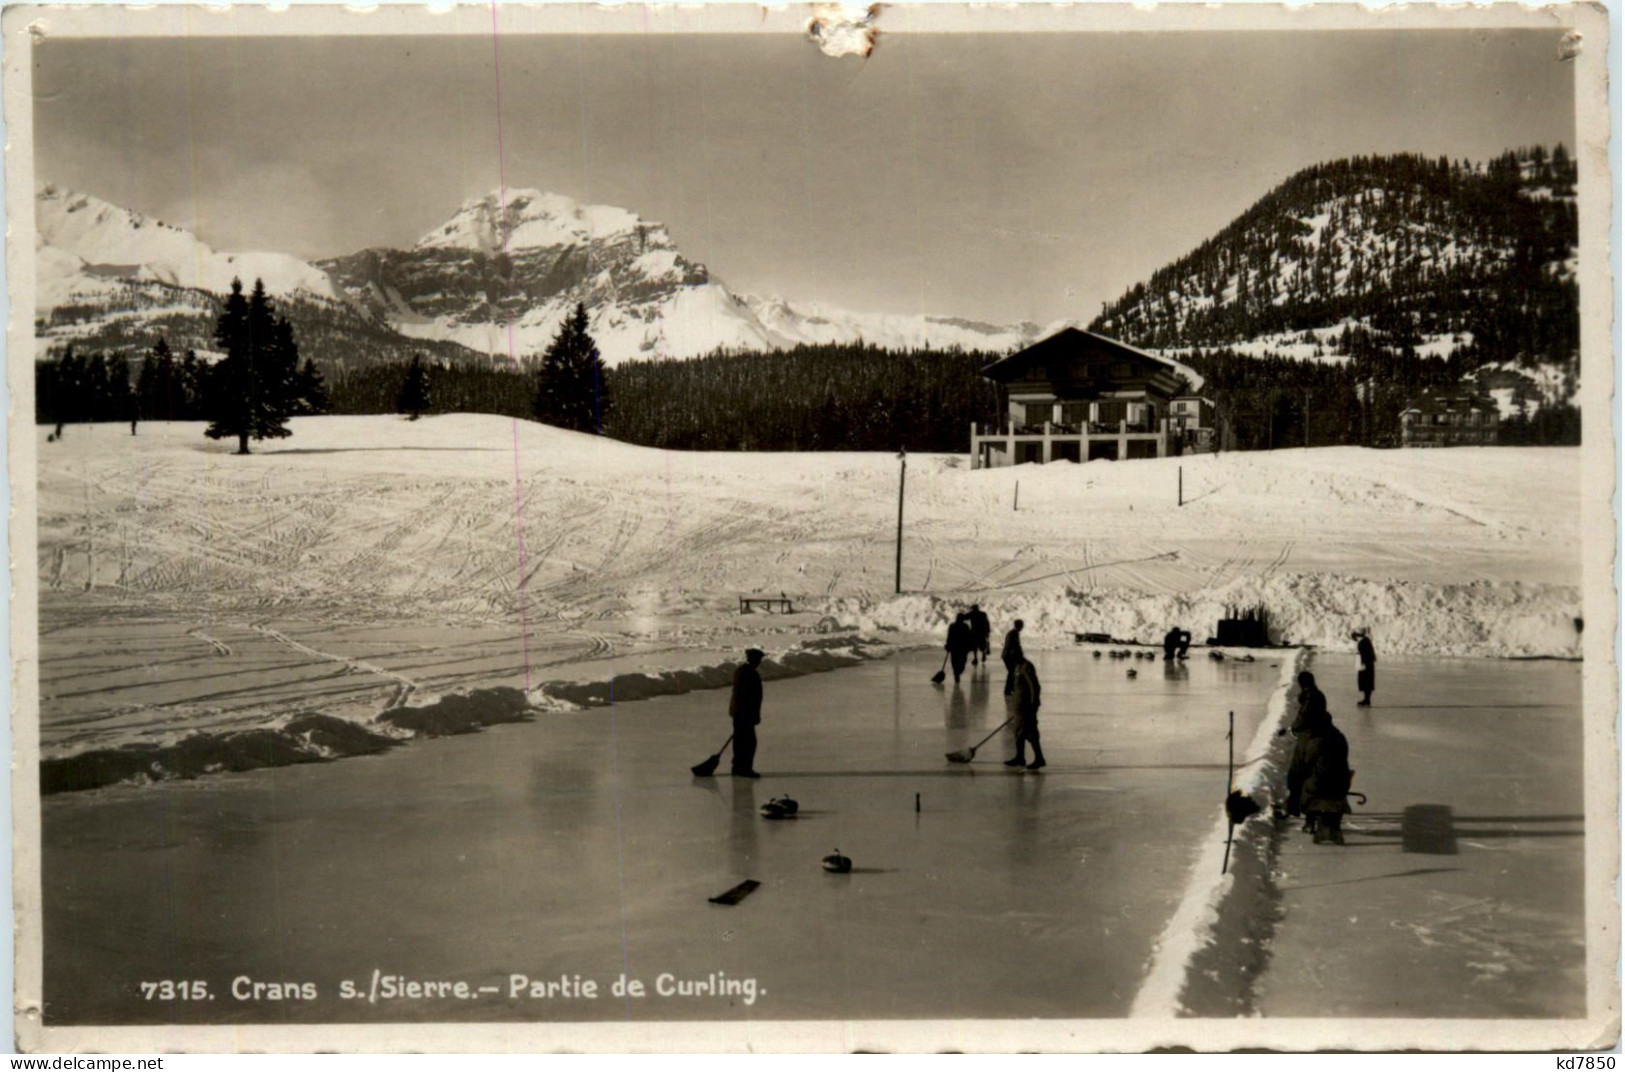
point(1037, 412)
point(1111, 412)
point(1075, 414)
point(1122, 369)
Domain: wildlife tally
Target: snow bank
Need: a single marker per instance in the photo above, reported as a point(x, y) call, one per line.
point(305, 738)
point(812, 657)
point(1213, 946)
point(315, 738)
point(309, 738)
point(1485, 618)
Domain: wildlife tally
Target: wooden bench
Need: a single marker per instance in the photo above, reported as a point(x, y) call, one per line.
point(749, 604)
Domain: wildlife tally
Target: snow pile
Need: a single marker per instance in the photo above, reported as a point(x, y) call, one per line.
point(1194, 969)
point(1486, 618)
point(815, 656)
point(308, 737)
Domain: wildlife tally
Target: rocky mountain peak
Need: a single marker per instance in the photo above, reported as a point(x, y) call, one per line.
point(526, 218)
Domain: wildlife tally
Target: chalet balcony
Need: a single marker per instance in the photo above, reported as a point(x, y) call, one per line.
point(997, 445)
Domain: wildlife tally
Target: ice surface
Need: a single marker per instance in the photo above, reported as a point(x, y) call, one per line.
point(1495, 929)
point(581, 844)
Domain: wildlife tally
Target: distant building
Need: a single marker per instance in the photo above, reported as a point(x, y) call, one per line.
point(1449, 420)
point(1079, 396)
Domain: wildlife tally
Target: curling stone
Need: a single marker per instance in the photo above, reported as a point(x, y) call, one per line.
point(1133, 672)
point(773, 810)
point(837, 864)
point(790, 806)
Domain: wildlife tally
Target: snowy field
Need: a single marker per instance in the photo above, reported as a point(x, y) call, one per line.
point(372, 562)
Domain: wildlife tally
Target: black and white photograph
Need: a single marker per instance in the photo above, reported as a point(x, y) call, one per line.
point(808, 529)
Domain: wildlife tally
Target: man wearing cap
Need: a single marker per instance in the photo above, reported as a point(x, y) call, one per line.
point(745, 708)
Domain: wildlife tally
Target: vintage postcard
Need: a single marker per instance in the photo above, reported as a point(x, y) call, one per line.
point(789, 529)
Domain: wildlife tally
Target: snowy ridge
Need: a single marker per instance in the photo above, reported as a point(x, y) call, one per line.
point(512, 220)
point(1382, 259)
point(815, 323)
point(497, 278)
point(502, 273)
point(85, 244)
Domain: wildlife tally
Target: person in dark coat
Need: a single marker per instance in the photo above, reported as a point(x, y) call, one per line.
point(1367, 677)
point(1319, 779)
point(1012, 656)
point(1311, 702)
point(1176, 643)
point(959, 645)
point(1028, 694)
point(745, 708)
point(981, 630)
point(1311, 711)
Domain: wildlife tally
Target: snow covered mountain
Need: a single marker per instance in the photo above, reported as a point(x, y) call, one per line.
point(1381, 257)
point(87, 247)
point(500, 275)
point(495, 279)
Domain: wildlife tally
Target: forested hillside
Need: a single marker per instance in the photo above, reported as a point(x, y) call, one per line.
point(838, 397)
point(1381, 257)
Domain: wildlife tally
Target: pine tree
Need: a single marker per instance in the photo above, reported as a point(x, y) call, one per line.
point(121, 403)
point(255, 387)
point(191, 386)
point(572, 388)
point(414, 396)
point(312, 390)
point(95, 402)
point(157, 386)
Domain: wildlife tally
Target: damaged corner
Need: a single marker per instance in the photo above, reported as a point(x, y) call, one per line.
point(838, 31)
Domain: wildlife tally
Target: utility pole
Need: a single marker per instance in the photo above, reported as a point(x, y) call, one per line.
point(902, 478)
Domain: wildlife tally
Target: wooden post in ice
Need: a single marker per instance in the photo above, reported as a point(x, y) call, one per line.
point(902, 478)
point(1015, 505)
point(1229, 787)
point(1181, 485)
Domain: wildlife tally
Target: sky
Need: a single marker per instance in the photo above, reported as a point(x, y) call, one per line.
point(994, 177)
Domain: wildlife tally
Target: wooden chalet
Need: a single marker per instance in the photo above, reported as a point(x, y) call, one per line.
point(1079, 396)
point(1449, 420)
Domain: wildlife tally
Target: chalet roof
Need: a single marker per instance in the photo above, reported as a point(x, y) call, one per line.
point(1068, 339)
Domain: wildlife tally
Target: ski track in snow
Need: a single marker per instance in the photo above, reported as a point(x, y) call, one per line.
point(633, 550)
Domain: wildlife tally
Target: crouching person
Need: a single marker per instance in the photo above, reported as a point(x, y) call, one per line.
point(1319, 779)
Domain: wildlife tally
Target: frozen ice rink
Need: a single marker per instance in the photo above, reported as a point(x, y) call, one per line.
point(579, 845)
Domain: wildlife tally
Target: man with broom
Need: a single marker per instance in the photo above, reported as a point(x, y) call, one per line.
point(1012, 656)
point(745, 708)
point(1027, 693)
